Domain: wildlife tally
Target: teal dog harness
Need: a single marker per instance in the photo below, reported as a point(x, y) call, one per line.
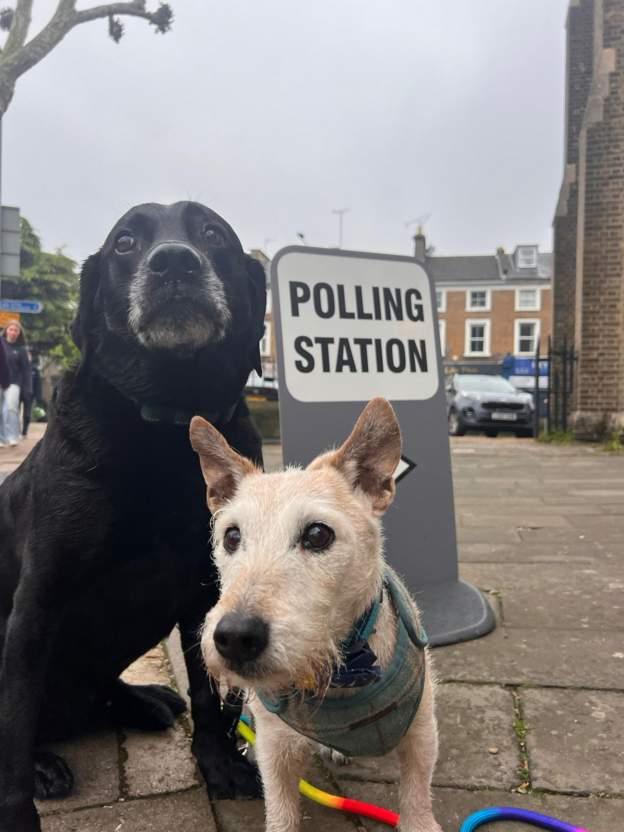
point(371, 720)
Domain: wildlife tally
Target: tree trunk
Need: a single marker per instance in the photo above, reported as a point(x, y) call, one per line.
point(7, 88)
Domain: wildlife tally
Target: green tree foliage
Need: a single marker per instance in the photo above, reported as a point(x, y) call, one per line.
point(52, 278)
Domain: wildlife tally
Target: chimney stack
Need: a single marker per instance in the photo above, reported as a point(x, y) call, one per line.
point(420, 246)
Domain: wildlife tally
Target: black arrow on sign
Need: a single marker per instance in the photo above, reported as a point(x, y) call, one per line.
point(404, 467)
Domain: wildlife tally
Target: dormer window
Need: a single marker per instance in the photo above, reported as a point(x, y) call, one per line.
point(526, 257)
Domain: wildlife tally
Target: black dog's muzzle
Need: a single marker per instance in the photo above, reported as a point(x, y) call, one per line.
point(174, 260)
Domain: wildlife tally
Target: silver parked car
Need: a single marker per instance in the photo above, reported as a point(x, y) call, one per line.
point(487, 403)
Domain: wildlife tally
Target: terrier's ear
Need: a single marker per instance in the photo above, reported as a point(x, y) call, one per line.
point(370, 455)
point(222, 467)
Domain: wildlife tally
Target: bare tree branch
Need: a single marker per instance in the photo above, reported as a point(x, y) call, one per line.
point(21, 24)
point(16, 64)
point(22, 56)
point(134, 8)
point(65, 6)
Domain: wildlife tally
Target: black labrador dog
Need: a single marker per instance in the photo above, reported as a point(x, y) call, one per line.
point(104, 530)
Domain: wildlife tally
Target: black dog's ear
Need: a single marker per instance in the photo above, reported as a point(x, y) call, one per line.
point(257, 275)
point(82, 325)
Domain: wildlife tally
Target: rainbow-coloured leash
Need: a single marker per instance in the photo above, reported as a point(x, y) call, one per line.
point(521, 815)
point(368, 810)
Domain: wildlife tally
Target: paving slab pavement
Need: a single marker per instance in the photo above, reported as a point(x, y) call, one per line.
point(451, 806)
point(10, 458)
point(531, 657)
point(572, 596)
point(570, 727)
point(530, 715)
point(184, 811)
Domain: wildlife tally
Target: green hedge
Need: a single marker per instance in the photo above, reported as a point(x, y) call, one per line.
point(266, 416)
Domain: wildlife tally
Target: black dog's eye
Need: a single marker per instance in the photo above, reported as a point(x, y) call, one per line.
point(317, 537)
point(213, 235)
point(124, 243)
point(231, 539)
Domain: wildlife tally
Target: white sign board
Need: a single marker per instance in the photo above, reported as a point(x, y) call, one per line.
point(352, 326)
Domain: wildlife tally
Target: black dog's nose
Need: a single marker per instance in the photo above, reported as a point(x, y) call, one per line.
point(241, 637)
point(174, 258)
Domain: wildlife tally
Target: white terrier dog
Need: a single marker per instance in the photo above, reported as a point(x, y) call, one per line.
point(313, 621)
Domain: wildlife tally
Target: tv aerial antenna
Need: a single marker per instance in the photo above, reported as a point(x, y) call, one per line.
point(419, 222)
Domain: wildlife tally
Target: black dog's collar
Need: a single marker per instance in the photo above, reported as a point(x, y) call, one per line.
point(165, 414)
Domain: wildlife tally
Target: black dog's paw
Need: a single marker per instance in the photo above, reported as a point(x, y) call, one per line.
point(167, 696)
point(145, 707)
point(227, 773)
point(53, 777)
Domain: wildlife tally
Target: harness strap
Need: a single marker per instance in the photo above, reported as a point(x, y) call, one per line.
point(364, 627)
point(361, 632)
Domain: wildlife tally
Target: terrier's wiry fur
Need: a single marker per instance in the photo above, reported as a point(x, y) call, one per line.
point(303, 600)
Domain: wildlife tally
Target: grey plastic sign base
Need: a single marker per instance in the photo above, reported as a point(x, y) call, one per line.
point(454, 611)
point(350, 326)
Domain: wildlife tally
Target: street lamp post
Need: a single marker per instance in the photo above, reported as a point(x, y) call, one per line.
point(341, 212)
point(1, 259)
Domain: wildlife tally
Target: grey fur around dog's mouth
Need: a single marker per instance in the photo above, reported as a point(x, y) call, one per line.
point(255, 674)
point(247, 671)
point(178, 311)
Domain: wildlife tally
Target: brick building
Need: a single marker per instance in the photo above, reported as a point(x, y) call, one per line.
point(491, 306)
point(589, 220)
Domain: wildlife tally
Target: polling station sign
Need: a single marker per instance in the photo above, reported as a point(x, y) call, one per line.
point(356, 325)
point(350, 326)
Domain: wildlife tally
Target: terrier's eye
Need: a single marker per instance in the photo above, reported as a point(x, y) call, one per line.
point(317, 537)
point(231, 539)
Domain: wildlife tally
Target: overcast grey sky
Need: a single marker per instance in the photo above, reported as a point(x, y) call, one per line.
point(275, 112)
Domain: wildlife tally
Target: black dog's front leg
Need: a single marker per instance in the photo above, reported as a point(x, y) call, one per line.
point(28, 640)
point(227, 773)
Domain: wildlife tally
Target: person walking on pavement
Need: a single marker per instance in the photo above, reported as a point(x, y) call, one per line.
point(4, 377)
point(20, 379)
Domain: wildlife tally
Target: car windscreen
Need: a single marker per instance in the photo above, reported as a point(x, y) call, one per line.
point(484, 384)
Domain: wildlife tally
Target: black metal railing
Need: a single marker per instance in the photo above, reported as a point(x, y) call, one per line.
point(557, 397)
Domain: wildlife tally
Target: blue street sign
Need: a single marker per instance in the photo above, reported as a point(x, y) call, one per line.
point(526, 367)
point(23, 306)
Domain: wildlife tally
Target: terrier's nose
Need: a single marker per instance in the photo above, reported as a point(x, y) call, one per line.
point(174, 258)
point(241, 637)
